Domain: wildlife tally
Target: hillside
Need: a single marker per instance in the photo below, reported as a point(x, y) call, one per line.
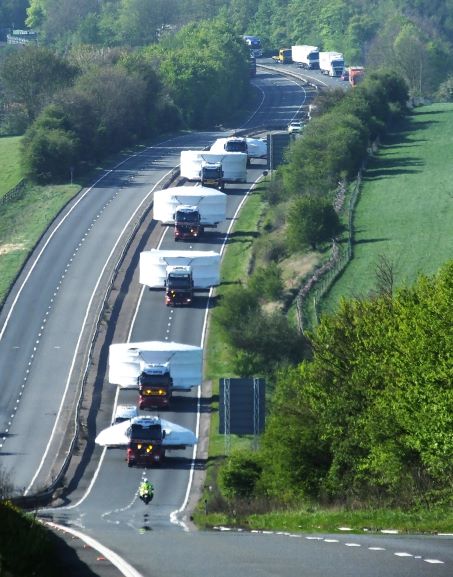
point(405, 212)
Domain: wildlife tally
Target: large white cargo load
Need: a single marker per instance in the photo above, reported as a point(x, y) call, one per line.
point(305, 55)
point(210, 203)
point(256, 147)
point(234, 164)
point(127, 360)
point(176, 437)
point(331, 63)
point(205, 266)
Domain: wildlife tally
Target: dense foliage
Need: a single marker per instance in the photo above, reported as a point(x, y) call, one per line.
point(370, 417)
point(412, 37)
point(94, 101)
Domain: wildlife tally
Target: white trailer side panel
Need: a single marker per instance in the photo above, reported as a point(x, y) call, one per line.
point(126, 361)
point(211, 203)
point(205, 266)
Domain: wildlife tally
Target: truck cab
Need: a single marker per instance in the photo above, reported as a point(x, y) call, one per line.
point(145, 444)
point(284, 56)
point(187, 223)
point(155, 386)
point(211, 175)
point(179, 285)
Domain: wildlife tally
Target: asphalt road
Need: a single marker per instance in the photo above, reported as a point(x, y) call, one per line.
point(43, 354)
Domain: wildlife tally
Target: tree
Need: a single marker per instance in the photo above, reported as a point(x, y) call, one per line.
point(32, 75)
point(311, 221)
point(377, 394)
point(49, 154)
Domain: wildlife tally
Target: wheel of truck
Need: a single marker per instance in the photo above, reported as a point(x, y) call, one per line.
point(129, 463)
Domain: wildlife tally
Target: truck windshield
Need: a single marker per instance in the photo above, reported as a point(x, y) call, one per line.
point(211, 173)
point(152, 433)
point(179, 282)
point(158, 380)
point(338, 63)
point(236, 146)
point(191, 217)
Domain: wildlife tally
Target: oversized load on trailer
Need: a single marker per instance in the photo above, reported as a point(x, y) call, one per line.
point(146, 439)
point(234, 164)
point(128, 361)
point(254, 147)
point(205, 267)
point(306, 56)
point(209, 202)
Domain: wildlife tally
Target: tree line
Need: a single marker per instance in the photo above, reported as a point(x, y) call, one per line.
point(412, 37)
point(78, 108)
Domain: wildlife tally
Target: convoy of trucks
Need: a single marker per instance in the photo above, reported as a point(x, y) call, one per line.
point(306, 56)
point(331, 63)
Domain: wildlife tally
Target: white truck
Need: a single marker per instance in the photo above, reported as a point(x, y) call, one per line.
point(331, 63)
point(128, 361)
point(154, 263)
point(209, 202)
point(234, 164)
point(253, 147)
point(306, 56)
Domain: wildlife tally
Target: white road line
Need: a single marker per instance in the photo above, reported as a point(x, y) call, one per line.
point(83, 325)
point(121, 564)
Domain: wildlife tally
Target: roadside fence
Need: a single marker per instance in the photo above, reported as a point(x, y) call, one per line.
point(14, 193)
point(319, 283)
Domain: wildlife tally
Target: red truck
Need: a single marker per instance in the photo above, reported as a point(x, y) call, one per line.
point(145, 444)
point(179, 285)
point(155, 386)
point(188, 223)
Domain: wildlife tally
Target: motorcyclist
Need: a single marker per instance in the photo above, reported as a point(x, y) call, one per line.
point(146, 491)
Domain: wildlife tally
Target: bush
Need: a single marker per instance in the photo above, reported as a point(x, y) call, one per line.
point(48, 155)
point(240, 474)
point(311, 221)
point(266, 282)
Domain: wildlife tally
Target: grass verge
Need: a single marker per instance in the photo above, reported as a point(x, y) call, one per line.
point(336, 521)
point(22, 222)
point(10, 168)
point(405, 211)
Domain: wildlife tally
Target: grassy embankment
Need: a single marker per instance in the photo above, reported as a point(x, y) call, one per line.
point(24, 220)
point(404, 213)
point(9, 163)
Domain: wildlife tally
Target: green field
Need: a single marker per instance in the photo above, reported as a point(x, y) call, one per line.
point(405, 211)
point(10, 169)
